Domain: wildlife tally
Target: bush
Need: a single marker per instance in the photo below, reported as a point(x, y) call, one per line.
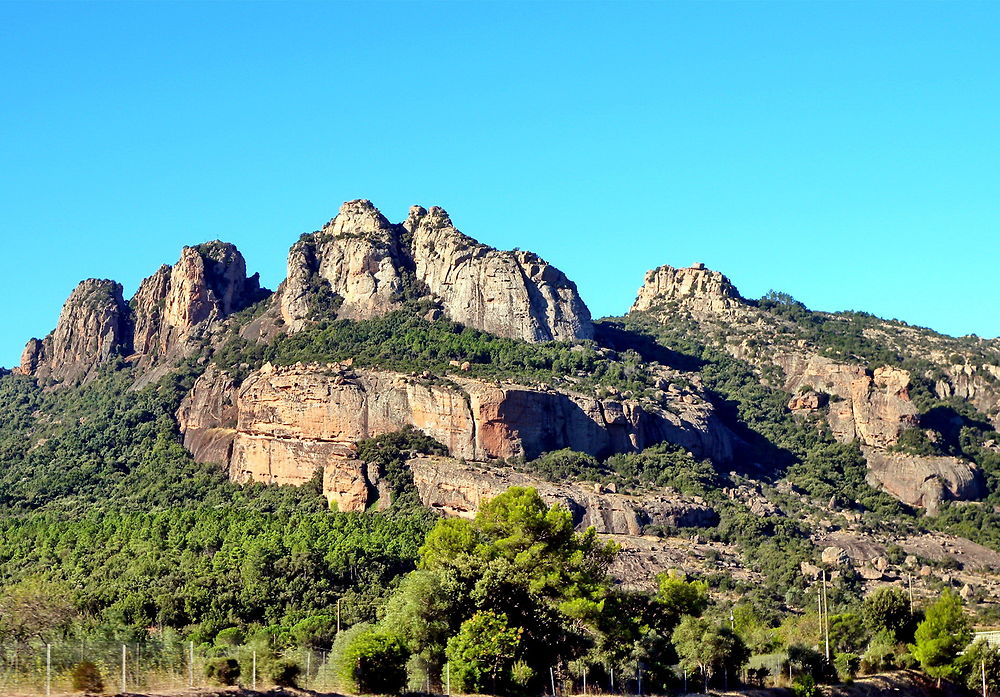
point(224, 671)
point(284, 672)
point(805, 687)
point(370, 661)
point(87, 678)
point(483, 651)
point(847, 665)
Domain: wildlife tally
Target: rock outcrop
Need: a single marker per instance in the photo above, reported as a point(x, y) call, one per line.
point(171, 309)
point(93, 328)
point(459, 489)
point(512, 294)
point(354, 266)
point(175, 305)
point(360, 266)
point(695, 287)
point(873, 407)
point(924, 481)
point(977, 384)
point(281, 425)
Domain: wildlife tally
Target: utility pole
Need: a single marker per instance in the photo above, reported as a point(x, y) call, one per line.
point(819, 608)
point(584, 681)
point(826, 614)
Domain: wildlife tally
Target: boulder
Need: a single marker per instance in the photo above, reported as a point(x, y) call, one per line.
point(924, 481)
point(835, 556)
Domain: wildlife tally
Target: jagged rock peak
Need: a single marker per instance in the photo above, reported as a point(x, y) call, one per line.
point(207, 284)
point(359, 217)
point(93, 327)
point(352, 268)
point(695, 285)
point(362, 266)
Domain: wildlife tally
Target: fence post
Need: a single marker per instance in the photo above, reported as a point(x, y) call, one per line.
point(191, 664)
point(48, 670)
point(123, 667)
point(255, 669)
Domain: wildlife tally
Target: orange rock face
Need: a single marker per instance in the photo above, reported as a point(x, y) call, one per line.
point(282, 425)
point(873, 408)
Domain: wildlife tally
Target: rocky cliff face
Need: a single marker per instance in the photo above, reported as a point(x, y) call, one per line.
point(172, 307)
point(360, 265)
point(977, 384)
point(871, 407)
point(356, 259)
point(93, 328)
point(281, 425)
point(511, 294)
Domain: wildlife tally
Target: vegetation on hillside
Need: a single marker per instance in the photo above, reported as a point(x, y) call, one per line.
point(406, 341)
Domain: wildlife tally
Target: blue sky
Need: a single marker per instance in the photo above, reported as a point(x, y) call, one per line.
point(847, 153)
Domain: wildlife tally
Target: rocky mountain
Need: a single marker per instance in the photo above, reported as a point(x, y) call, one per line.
point(94, 327)
point(170, 317)
point(363, 266)
point(695, 409)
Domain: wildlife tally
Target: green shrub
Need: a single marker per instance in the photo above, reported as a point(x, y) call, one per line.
point(87, 678)
point(370, 661)
point(284, 672)
point(847, 665)
point(483, 651)
point(224, 671)
point(805, 687)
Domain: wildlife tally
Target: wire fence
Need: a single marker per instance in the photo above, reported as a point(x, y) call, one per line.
point(36, 669)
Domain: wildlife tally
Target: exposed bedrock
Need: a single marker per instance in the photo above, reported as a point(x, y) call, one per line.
point(458, 489)
point(168, 318)
point(93, 328)
point(361, 266)
point(283, 424)
point(924, 481)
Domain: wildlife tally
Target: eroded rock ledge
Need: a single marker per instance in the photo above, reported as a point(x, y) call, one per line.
point(283, 424)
